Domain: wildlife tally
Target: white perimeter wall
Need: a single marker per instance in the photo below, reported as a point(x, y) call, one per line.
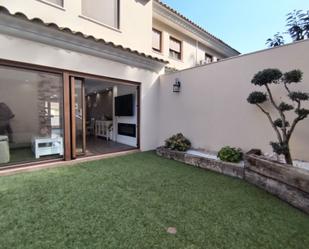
point(17, 49)
point(212, 110)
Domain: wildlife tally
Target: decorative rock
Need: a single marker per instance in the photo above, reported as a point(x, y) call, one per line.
point(257, 152)
point(275, 157)
point(171, 230)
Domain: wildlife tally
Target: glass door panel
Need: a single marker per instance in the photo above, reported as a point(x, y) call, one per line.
point(78, 117)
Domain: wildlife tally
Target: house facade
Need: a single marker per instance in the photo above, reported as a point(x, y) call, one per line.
point(163, 33)
point(78, 81)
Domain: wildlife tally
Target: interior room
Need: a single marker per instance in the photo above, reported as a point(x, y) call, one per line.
point(111, 117)
point(31, 115)
point(104, 113)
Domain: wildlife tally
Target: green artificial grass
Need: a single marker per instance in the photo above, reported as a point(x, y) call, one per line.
point(130, 201)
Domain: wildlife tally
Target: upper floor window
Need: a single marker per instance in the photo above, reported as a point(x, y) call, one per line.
point(103, 11)
point(156, 40)
point(175, 49)
point(57, 2)
point(53, 2)
point(208, 58)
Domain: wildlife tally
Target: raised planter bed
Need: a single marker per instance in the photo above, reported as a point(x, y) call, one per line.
point(230, 169)
point(290, 184)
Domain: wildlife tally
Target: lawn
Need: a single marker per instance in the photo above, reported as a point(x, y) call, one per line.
point(130, 201)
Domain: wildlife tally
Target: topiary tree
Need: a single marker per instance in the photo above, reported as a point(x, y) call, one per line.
point(281, 125)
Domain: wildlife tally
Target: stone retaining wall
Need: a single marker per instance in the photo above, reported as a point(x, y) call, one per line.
point(289, 183)
point(230, 169)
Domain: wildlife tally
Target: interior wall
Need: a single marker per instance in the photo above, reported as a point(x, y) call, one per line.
point(35, 100)
point(124, 90)
point(100, 106)
point(21, 98)
point(212, 110)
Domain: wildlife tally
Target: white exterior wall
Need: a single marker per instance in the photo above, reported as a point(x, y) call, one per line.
point(212, 110)
point(202, 49)
point(135, 20)
point(27, 51)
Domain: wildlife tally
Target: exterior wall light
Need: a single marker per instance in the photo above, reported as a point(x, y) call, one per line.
point(177, 86)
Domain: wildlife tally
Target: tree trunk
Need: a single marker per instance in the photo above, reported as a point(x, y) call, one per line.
point(288, 157)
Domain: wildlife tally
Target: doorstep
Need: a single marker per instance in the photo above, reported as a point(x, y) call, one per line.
point(30, 168)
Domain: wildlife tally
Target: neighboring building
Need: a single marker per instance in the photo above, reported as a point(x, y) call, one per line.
point(183, 43)
point(80, 78)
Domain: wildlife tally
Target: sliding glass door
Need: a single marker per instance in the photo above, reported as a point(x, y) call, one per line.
point(31, 116)
point(78, 122)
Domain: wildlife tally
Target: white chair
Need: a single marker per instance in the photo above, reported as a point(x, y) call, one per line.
point(91, 127)
point(104, 129)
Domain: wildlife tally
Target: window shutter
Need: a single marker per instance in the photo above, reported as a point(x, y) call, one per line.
point(104, 11)
point(175, 45)
point(156, 40)
point(57, 2)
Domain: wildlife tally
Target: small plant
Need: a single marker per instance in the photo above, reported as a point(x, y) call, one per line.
point(178, 142)
point(229, 154)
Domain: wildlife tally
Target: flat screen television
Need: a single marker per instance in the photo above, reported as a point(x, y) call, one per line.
point(124, 105)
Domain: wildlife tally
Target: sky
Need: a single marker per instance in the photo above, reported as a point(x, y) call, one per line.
point(243, 24)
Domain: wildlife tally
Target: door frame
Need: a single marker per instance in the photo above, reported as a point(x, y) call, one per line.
point(74, 153)
point(70, 131)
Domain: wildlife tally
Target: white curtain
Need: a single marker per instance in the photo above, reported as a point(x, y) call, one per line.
point(104, 11)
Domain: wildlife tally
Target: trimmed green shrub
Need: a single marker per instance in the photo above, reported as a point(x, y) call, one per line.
point(229, 154)
point(178, 142)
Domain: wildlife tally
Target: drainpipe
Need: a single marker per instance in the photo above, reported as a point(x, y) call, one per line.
point(196, 52)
